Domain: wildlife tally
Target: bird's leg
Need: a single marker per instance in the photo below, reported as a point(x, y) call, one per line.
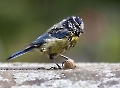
point(57, 64)
point(65, 58)
point(52, 58)
point(63, 63)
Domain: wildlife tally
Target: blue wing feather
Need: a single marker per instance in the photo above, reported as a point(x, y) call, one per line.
point(40, 40)
point(60, 33)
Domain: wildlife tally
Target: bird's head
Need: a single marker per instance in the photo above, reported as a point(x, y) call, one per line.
point(74, 24)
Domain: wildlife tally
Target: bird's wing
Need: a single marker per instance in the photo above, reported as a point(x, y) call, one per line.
point(53, 33)
point(40, 40)
point(62, 33)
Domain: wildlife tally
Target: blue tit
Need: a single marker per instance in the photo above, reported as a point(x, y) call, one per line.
point(57, 39)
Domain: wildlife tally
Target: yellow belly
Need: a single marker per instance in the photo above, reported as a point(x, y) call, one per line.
point(54, 46)
point(57, 46)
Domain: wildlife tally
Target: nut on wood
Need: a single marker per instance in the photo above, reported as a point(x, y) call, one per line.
point(69, 64)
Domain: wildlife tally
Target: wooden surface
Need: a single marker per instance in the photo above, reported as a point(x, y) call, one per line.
point(38, 75)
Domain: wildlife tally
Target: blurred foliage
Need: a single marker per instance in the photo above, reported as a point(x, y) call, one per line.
point(22, 21)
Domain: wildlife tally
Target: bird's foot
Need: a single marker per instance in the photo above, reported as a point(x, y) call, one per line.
point(54, 68)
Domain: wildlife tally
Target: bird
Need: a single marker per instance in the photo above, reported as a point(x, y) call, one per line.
point(56, 40)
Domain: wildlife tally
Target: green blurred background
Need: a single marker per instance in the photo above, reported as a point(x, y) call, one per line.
point(22, 21)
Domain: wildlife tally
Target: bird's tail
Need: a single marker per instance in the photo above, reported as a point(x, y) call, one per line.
point(17, 54)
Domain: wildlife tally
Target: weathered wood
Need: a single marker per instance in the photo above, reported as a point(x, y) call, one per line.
point(35, 75)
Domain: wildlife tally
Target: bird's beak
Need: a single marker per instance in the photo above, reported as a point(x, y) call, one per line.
point(82, 31)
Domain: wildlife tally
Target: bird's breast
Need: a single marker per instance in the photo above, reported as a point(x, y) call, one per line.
point(73, 42)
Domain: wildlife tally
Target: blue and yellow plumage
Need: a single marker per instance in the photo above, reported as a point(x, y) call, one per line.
point(59, 38)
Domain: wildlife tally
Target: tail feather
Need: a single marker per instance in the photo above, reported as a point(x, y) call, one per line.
point(17, 54)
